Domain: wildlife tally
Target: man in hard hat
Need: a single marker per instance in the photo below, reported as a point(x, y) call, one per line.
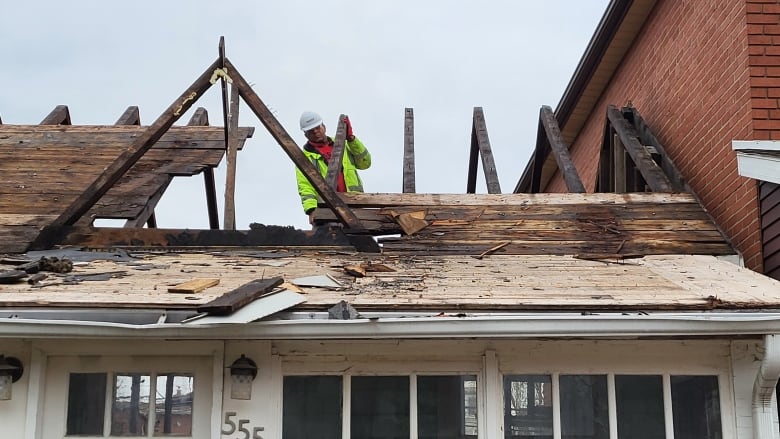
point(318, 150)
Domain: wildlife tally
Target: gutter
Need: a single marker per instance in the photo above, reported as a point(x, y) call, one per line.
point(607, 326)
point(764, 389)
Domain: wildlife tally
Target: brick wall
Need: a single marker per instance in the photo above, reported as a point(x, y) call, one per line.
point(698, 84)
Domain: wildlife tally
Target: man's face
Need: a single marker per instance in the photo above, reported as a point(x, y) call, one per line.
point(316, 135)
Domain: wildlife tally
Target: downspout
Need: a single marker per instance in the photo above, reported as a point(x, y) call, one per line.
point(764, 389)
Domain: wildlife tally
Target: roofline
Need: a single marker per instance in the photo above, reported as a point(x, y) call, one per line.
point(574, 325)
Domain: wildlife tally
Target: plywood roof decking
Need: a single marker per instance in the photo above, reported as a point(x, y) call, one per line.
point(45, 168)
point(500, 283)
point(563, 224)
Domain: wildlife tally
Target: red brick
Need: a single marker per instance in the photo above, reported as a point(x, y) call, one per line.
point(762, 19)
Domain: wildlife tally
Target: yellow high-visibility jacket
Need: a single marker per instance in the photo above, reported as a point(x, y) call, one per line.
point(356, 156)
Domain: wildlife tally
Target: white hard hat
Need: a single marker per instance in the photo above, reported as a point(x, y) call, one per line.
point(309, 120)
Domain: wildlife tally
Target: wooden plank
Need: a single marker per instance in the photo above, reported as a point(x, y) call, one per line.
point(131, 116)
point(429, 200)
point(335, 162)
point(241, 296)
point(58, 116)
point(193, 286)
point(289, 146)
point(408, 183)
point(135, 151)
point(652, 173)
point(560, 151)
point(481, 142)
point(231, 156)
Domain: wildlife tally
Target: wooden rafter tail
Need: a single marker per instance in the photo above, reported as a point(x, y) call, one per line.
point(471, 178)
point(232, 155)
point(647, 137)
point(60, 115)
point(479, 136)
point(539, 157)
point(652, 173)
point(335, 163)
point(201, 118)
point(409, 177)
point(277, 131)
point(136, 150)
point(560, 151)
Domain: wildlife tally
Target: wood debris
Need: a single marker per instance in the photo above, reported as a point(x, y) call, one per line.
point(193, 286)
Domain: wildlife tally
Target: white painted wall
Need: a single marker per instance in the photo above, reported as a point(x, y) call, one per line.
point(735, 362)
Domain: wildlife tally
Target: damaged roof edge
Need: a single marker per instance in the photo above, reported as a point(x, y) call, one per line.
point(573, 325)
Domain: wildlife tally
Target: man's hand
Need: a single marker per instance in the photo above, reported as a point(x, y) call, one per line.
point(311, 217)
point(348, 124)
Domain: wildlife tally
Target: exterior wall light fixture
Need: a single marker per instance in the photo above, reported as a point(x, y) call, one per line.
point(11, 370)
point(242, 372)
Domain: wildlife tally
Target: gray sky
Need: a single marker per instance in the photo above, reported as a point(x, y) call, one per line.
point(367, 59)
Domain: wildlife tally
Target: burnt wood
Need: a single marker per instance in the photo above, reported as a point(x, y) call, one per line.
point(409, 177)
point(257, 236)
point(647, 137)
point(480, 148)
point(241, 296)
point(60, 115)
point(560, 151)
point(336, 157)
point(652, 173)
point(289, 146)
point(135, 151)
point(131, 116)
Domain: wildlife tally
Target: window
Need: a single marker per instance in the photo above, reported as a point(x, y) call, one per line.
point(583, 406)
point(640, 406)
point(381, 407)
point(131, 404)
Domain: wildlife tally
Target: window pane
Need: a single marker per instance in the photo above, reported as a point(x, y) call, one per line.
point(380, 407)
point(173, 405)
point(86, 403)
point(640, 406)
point(312, 407)
point(130, 409)
point(447, 407)
point(528, 406)
point(696, 407)
point(584, 407)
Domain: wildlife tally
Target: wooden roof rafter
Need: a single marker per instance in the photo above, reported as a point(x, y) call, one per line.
point(632, 159)
point(220, 69)
point(480, 149)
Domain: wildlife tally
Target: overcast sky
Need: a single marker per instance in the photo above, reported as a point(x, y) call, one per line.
point(367, 59)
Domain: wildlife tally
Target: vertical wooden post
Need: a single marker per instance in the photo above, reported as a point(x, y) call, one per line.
point(232, 153)
point(480, 144)
point(409, 177)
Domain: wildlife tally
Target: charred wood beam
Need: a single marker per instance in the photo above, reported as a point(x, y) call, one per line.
point(135, 151)
point(647, 137)
point(131, 116)
point(336, 157)
point(560, 151)
point(540, 153)
point(652, 173)
point(258, 236)
point(480, 144)
point(408, 177)
point(277, 131)
point(606, 182)
point(241, 296)
point(232, 155)
point(58, 116)
point(201, 118)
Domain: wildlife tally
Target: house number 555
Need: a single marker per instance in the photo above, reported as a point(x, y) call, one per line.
point(243, 431)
